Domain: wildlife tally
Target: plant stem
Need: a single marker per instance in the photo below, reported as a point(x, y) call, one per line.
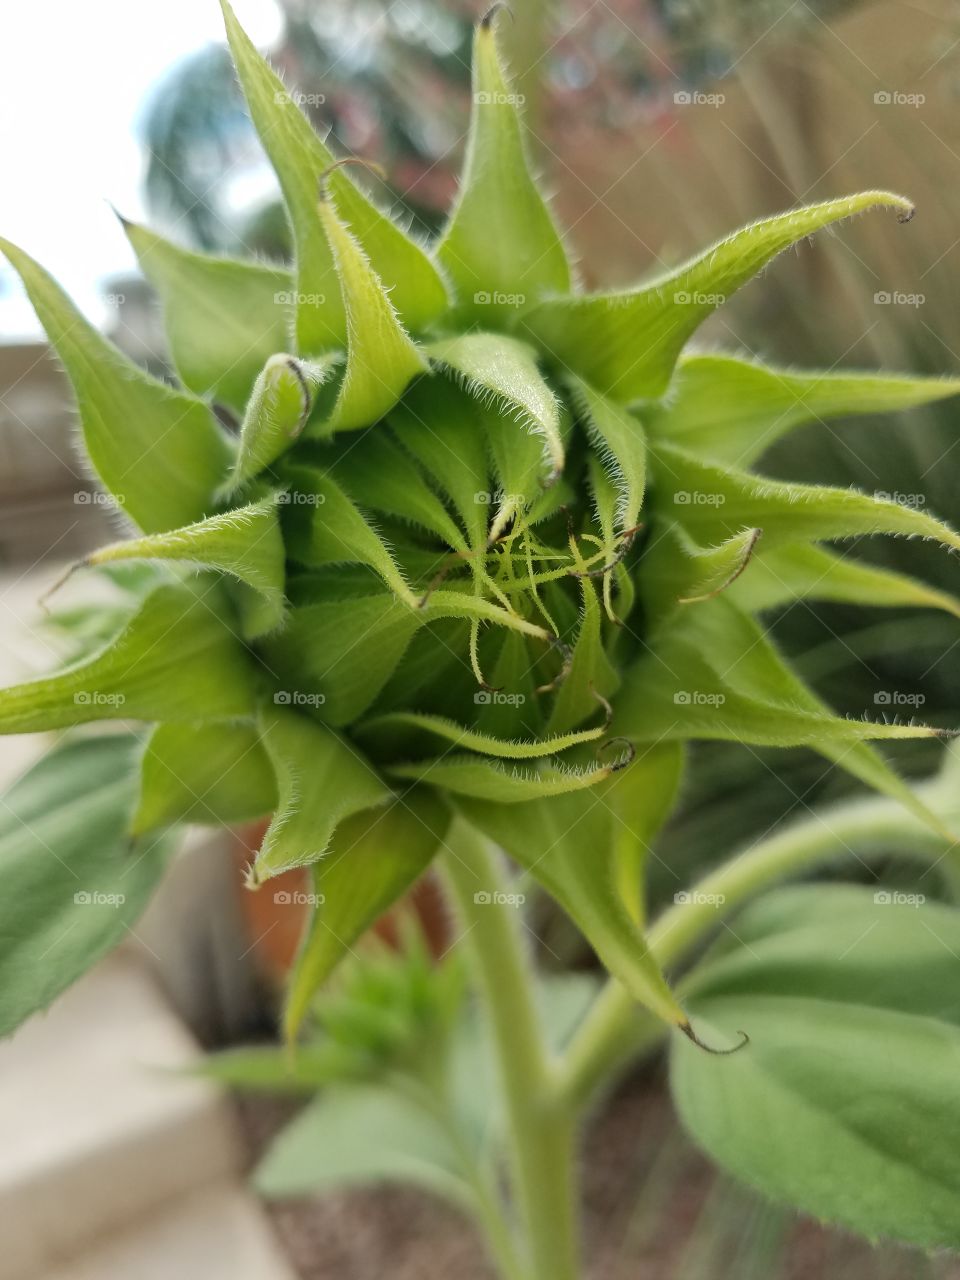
point(615, 1029)
point(540, 1128)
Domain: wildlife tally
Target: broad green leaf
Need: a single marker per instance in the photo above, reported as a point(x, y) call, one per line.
point(466, 775)
point(75, 881)
point(714, 674)
point(273, 1069)
point(159, 451)
point(404, 724)
point(501, 248)
point(279, 406)
point(373, 858)
point(300, 159)
point(381, 357)
point(331, 529)
point(357, 1135)
point(177, 659)
point(815, 573)
point(223, 318)
point(504, 370)
point(619, 440)
point(213, 774)
point(732, 410)
point(244, 543)
point(591, 674)
point(713, 503)
point(625, 343)
point(642, 799)
point(850, 1003)
point(321, 779)
point(569, 844)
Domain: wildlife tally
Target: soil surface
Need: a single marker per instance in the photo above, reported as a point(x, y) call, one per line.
point(654, 1210)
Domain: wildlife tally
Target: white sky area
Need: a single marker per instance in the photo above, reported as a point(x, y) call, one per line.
point(74, 77)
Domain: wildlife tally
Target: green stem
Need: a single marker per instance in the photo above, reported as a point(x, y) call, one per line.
point(615, 1030)
point(539, 1125)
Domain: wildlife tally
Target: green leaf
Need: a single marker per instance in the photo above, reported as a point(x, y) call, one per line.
point(400, 724)
point(642, 799)
point(625, 343)
point(500, 248)
point(714, 674)
point(244, 543)
point(223, 318)
point(214, 774)
point(357, 1135)
point(591, 674)
point(300, 159)
point(497, 367)
point(732, 410)
point(466, 775)
point(815, 573)
point(273, 1069)
point(713, 503)
point(381, 357)
point(142, 674)
point(331, 529)
point(569, 844)
point(75, 882)
point(321, 779)
point(159, 451)
point(279, 406)
point(619, 440)
point(850, 1004)
point(373, 858)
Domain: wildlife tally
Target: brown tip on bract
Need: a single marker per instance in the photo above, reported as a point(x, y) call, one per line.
point(62, 581)
point(689, 1032)
point(631, 753)
point(906, 215)
point(486, 22)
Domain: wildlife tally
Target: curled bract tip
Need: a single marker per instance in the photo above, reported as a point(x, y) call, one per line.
point(689, 1032)
point(486, 22)
point(376, 169)
point(623, 744)
point(906, 215)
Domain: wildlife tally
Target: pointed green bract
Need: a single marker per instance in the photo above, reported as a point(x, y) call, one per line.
point(321, 779)
point(620, 443)
point(501, 248)
point(206, 773)
point(223, 318)
point(466, 775)
point(158, 451)
point(732, 409)
point(714, 502)
point(280, 403)
point(177, 659)
point(373, 858)
point(381, 357)
point(504, 369)
point(244, 543)
point(626, 343)
point(402, 723)
point(300, 159)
